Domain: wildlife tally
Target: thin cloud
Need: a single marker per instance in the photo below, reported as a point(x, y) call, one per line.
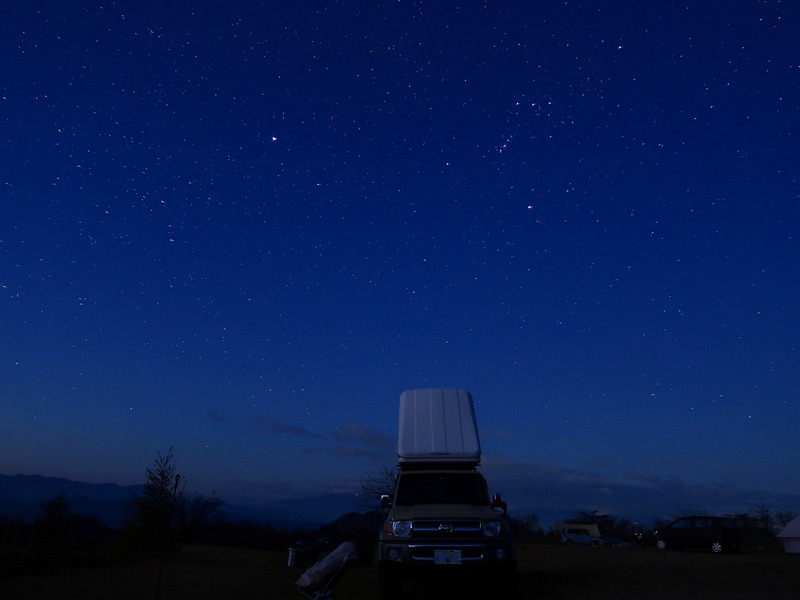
point(214, 416)
point(357, 441)
point(293, 431)
point(351, 452)
point(363, 436)
point(264, 425)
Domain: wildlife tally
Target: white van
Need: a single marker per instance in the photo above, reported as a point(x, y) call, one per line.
point(579, 536)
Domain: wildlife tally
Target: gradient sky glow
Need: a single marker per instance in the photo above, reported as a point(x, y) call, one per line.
point(242, 229)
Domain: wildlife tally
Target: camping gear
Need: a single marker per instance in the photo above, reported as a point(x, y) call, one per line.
point(437, 426)
point(318, 581)
point(790, 536)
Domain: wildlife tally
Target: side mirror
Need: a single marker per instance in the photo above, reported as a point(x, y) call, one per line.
point(498, 502)
point(385, 501)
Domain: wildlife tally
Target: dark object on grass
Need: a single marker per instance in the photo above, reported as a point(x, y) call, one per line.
point(318, 581)
point(302, 554)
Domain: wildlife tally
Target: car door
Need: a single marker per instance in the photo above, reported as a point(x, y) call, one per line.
point(680, 532)
point(703, 533)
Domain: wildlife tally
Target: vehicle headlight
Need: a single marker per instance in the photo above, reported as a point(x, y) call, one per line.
point(401, 528)
point(492, 528)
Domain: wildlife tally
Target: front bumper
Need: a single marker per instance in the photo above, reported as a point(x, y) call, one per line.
point(423, 553)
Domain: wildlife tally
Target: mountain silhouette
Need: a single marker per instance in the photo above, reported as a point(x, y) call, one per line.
point(22, 496)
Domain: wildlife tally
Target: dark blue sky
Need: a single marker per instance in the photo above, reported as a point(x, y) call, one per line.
point(243, 229)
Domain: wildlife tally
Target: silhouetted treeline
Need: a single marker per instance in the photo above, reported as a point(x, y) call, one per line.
point(758, 527)
point(164, 517)
point(58, 537)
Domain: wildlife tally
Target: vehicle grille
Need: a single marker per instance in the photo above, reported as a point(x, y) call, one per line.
point(449, 529)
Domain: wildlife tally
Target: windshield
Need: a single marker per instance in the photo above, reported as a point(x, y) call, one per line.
point(441, 488)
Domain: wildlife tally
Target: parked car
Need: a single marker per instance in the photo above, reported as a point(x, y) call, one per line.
point(579, 537)
point(717, 534)
point(614, 541)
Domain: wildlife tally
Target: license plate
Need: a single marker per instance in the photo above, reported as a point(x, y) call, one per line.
point(447, 557)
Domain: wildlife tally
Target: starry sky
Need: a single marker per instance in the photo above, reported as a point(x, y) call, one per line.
point(242, 229)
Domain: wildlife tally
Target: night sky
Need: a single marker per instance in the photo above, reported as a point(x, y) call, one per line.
point(242, 229)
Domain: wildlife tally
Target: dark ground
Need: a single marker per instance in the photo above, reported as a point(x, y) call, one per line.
point(546, 572)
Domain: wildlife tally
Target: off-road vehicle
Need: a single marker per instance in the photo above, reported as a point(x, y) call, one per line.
point(441, 519)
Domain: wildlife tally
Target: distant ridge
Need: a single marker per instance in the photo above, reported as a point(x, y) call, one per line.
point(22, 496)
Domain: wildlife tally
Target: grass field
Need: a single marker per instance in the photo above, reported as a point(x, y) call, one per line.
point(546, 572)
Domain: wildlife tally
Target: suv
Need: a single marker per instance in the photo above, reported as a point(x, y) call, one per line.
point(442, 521)
point(700, 532)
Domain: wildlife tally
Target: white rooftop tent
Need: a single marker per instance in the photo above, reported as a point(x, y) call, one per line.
point(790, 536)
point(438, 426)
